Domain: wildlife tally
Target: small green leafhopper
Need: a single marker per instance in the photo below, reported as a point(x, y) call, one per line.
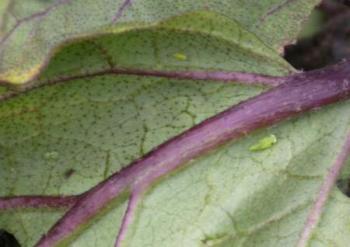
point(180, 56)
point(264, 143)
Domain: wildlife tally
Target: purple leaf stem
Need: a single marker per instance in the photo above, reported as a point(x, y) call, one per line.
point(121, 9)
point(128, 216)
point(220, 76)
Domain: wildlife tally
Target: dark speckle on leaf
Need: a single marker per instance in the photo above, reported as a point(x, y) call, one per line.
point(344, 186)
point(68, 173)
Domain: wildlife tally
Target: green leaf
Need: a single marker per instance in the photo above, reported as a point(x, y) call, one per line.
point(67, 136)
point(31, 31)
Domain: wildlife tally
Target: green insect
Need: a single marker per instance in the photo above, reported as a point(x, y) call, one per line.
point(264, 143)
point(180, 56)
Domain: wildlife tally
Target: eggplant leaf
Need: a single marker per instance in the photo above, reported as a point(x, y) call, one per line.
point(83, 124)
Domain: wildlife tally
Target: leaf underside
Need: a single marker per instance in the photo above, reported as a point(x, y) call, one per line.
point(66, 137)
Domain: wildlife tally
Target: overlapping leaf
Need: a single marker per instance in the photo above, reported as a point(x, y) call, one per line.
point(32, 30)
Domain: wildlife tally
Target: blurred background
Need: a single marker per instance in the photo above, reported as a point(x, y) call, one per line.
point(325, 38)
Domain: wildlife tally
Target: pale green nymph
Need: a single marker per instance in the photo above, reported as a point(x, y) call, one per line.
point(180, 56)
point(264, 143)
